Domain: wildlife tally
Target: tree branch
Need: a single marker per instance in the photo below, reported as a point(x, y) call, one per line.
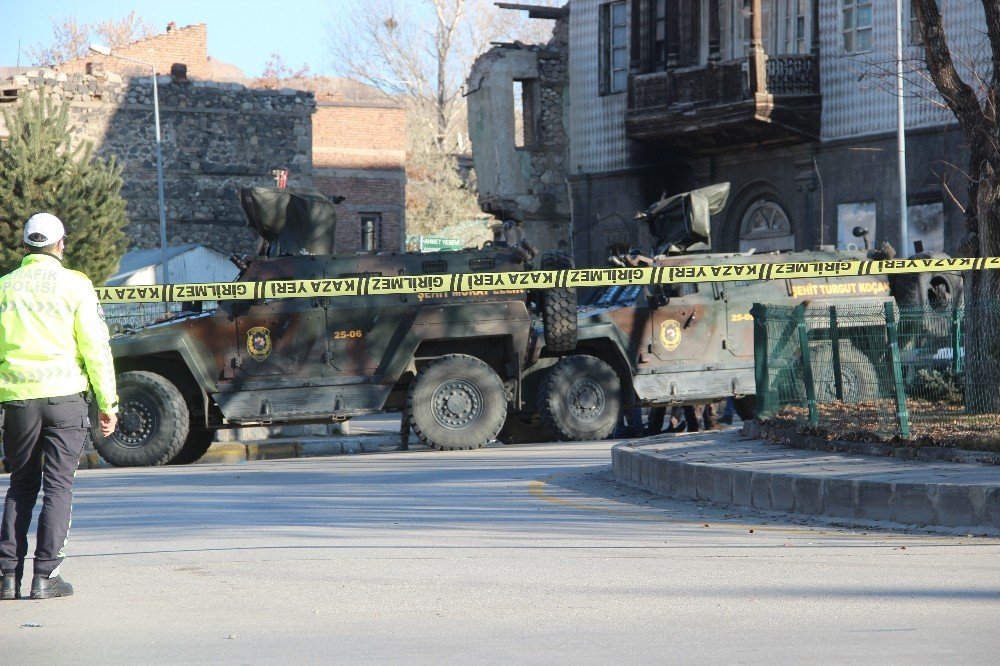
point(959, 96)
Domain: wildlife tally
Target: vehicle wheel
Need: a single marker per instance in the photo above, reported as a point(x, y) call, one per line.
point(153, 422)
point(195, 446)
point(746, 407)
point(524, 428)
point(456, 402)
point(860, 381)
point(558, 307)
point(580, 399)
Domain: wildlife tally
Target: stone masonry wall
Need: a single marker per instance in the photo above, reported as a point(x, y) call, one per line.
point(548, 160)
point(215, 137)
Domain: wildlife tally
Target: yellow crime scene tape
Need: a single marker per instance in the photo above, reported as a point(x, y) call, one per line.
point(374, 285)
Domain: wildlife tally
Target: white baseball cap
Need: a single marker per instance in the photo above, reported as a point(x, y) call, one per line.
point(43, 229)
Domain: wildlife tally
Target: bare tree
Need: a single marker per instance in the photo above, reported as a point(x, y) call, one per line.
point(70, 37)
point(974, 104)
point(420, 51)
point(276, 72)
point(974, 99)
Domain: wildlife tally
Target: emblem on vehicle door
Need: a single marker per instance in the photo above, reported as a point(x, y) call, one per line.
point(670, 334)
point(259, 343)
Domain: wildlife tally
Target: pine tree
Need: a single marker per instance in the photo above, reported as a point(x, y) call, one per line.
point(41, 171)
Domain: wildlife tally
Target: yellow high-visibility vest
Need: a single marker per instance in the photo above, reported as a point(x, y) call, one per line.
point(53, 338)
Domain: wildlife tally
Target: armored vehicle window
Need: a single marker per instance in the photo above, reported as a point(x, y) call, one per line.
point(483, 264)
point(436, 266)
point(618, 296)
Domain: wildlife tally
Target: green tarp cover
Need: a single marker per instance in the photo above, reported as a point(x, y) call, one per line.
point(683, 219)
point(290, 221)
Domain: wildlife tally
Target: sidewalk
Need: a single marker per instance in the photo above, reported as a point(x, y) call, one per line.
point(368, 435)
point(730, 468)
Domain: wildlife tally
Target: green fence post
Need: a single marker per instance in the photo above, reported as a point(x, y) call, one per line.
point(838, 379)
point(956, 341)
point(892, 335)
point(761, 351)
point(807, 373)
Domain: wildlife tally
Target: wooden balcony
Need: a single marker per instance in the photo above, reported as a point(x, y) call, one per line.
point(708, 108)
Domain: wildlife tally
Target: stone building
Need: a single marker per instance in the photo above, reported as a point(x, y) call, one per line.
point(789, 100)
point(221, 135)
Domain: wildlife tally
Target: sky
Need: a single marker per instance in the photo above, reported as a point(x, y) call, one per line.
point(241, 32)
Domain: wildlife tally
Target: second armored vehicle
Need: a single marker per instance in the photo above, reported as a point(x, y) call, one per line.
point(690, 344)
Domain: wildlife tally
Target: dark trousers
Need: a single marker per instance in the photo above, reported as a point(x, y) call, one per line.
point(701, 416)
point(42, 440)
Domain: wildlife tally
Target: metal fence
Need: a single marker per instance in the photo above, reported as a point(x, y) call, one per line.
point(924, 375)
point(125, 317)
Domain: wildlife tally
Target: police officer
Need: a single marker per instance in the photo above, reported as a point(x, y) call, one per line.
point(53, 346)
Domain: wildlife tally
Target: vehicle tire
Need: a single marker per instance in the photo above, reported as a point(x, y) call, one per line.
point(456, 402)
point(153, 422)
point(524, 428)
point(580, 399)
point(860, 381)
point(558, 307)
point(746, 407)
point(195, 446)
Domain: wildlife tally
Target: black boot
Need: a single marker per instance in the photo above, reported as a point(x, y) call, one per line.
point(11, 587)
point(47, 588)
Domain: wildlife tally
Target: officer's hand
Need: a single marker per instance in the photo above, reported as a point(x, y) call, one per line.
point(108, 423)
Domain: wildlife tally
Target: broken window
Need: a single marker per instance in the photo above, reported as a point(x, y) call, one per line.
point(525, 112)
point(614, 48)
point(371, 232)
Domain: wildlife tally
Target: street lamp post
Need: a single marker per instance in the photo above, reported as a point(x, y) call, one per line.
point(106, 51)
point(901, 134)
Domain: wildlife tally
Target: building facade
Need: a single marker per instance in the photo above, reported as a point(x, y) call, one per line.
point(218, 136)
point(791, 101)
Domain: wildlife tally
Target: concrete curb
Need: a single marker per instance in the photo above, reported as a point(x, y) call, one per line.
point(274, 449)
point(856, 488)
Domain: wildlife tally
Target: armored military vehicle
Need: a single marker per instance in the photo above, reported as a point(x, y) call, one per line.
point(689, 344)
point(451, 361)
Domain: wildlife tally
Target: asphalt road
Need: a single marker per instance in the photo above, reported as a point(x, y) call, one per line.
point(527, 554)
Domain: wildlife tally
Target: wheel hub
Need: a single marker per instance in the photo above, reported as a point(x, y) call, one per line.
point(136, 423)
point(587, 400)
point(457, 403)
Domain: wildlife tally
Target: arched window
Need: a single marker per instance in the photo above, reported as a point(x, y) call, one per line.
point(765, 228)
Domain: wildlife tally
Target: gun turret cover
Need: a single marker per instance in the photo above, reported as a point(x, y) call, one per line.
point(290, 221)
point(682, 221)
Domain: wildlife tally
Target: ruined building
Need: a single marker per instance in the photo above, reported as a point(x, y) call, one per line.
point(517, 104)
point(790, 101)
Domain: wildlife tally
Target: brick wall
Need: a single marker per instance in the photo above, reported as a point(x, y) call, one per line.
point(367, 191)
point(353, 136)
point(187, 45)
point(359, 152)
